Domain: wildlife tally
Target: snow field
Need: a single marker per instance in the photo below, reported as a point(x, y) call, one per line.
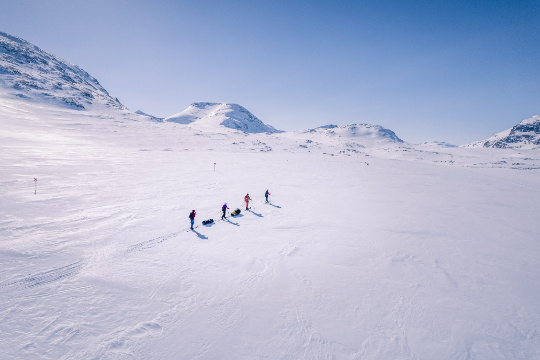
point(404, 258)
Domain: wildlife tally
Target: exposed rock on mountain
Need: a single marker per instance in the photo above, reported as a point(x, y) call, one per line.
point(525, 135)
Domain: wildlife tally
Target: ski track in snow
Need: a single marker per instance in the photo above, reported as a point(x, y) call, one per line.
point(70, 270)
point(64, 272)
point(43, 278)
point(147, 244)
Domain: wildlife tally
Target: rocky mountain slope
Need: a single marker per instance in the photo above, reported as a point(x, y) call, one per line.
point(28, 72)
point(526, 134)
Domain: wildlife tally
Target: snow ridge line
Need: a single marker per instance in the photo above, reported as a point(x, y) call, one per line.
point(44, 277)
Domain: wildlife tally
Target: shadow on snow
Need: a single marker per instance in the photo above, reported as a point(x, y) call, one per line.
point(201, 236)
point(230, 222)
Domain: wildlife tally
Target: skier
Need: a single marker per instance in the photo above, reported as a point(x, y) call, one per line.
point(247, 199)
point(224, 209)
point(266, 195)
point(192, 217)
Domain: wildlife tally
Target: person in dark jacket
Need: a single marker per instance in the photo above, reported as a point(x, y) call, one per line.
point(192, 218)
point(266, 195)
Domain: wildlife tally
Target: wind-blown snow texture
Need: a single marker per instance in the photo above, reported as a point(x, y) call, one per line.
point(371, 248)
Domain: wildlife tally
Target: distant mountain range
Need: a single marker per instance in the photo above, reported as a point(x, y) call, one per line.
point(29, 73)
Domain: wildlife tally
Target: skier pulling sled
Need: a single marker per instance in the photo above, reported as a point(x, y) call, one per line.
point(224, 209)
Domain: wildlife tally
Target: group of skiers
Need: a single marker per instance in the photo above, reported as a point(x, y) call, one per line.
point(224, 208)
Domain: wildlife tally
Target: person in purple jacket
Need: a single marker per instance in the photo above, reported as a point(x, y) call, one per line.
point(224, 209)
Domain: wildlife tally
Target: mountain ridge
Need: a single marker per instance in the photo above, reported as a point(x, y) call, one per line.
point(34, 75)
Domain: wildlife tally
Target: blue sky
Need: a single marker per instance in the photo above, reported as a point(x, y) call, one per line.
point(454, 71)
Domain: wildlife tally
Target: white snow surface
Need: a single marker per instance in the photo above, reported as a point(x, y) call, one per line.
point(207, 115)
point(366, 251)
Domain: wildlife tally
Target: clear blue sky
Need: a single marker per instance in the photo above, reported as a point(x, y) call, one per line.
point(455, 71)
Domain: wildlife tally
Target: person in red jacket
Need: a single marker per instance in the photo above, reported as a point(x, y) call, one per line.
point(192, 218)
point(247, 199)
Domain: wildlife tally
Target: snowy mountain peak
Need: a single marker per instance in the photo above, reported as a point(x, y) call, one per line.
point(28, 72)
point(526, 134)
point(374, 132)
point(211, 115)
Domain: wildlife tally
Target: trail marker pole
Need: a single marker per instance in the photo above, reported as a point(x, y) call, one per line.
point(35, 186)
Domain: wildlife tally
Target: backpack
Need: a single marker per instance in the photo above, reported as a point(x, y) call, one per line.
point(208, 222)
point(236, 212)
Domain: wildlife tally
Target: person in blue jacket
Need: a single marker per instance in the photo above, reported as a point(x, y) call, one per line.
point(266, 195)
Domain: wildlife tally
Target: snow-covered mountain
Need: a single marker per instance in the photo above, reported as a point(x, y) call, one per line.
point(152, 117)
point(526, 134)
point(209, 115)
point(435, 144)
point(28, 72)
point(364, 131)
